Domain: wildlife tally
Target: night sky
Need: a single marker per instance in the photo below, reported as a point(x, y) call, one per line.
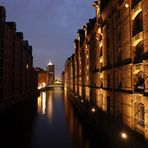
point(50, 26)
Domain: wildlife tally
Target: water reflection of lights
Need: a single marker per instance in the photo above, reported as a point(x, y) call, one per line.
point(50, 106)
point(93, 109)
point(74, 124)
point(57, 90)
point(42, 85)
point(43, 96)
point(39, 103)
point(124, 135)
point(82, 101)
point(45, 104)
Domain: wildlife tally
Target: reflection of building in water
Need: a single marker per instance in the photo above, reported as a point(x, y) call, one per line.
point(75, 126)
point(42, 103)
point(45, 104)
point(39, 107)
point(50, 105)
point(43, 97)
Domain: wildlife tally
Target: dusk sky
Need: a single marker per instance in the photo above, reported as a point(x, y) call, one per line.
point(50, 26)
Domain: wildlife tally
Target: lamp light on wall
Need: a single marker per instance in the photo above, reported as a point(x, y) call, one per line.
point(126, 5)
point(101, 59)
point(101, 44)
point(27, 66)
point(124, 135)
point(99, 31)
point(93, 110)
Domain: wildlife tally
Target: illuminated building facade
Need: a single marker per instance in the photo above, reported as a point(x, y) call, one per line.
point(17, 75)
point(46, 77)
point(111, 61)
point(42, 77)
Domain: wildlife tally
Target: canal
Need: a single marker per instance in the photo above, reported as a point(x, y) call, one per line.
point(51, 121)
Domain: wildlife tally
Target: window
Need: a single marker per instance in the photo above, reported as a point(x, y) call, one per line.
point(139, 114)
point(139, 52)
point(100, 51)
point(139, 82)
point(137, 24)
point(135, 2)
point(101, 84)
point(119, 34)
point(108, 47)
point(104, 3)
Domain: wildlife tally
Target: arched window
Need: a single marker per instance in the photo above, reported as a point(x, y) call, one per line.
point(137, 24)
point(139, 114)
point(139, 82)
point(135, 2)
point(139, 49)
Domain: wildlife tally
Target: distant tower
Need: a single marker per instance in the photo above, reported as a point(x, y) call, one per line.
point(50, 71)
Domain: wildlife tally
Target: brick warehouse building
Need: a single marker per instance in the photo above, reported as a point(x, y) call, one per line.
point(17, 75)
point(110, 65)
point(46, 77)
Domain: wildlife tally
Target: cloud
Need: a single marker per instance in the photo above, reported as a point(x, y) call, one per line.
point(50, 26)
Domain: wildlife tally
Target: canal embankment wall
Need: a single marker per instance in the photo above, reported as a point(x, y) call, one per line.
point(97, 120)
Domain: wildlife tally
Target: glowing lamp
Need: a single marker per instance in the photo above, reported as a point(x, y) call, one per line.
point(124, 135)
point(93, 109)
point(82, 101)
point(126, 5)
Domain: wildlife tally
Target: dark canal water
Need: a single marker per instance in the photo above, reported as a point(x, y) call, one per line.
point(51, 121)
